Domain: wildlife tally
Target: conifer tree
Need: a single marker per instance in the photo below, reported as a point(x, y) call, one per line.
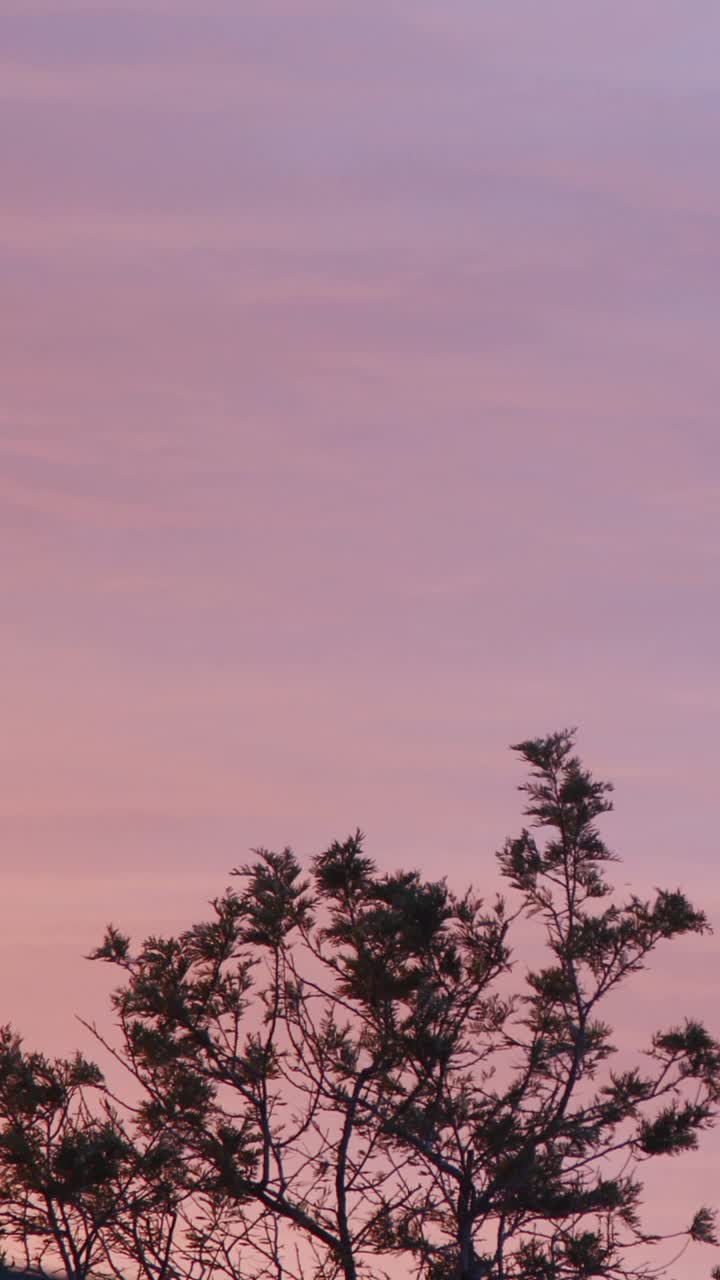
point(345, 1070)
point(344, 1053)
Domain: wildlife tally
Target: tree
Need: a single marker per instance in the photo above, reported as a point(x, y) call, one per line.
point(80, 1193)
point(531, 1135)
point(268, 1076)
point(59, 1160)
point(342, 1057)
point(344, 1066)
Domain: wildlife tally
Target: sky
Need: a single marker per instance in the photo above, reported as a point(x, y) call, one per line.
point(360, 385)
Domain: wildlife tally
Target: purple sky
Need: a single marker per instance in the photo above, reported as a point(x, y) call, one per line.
point(360, 386)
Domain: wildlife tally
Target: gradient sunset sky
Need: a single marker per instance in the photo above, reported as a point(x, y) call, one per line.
point(359, 417)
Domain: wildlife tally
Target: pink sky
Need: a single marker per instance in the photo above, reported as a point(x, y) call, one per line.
point(360, 385)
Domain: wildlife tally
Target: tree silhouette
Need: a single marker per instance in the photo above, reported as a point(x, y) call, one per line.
point(59, 1159)
point(346, 1065)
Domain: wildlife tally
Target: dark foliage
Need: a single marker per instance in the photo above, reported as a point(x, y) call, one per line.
point(344, 1065)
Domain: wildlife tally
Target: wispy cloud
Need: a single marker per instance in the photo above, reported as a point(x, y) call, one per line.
point(91, 509)
point(182, 87)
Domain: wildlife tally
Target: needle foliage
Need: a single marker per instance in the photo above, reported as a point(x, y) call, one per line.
point(345, 1070)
